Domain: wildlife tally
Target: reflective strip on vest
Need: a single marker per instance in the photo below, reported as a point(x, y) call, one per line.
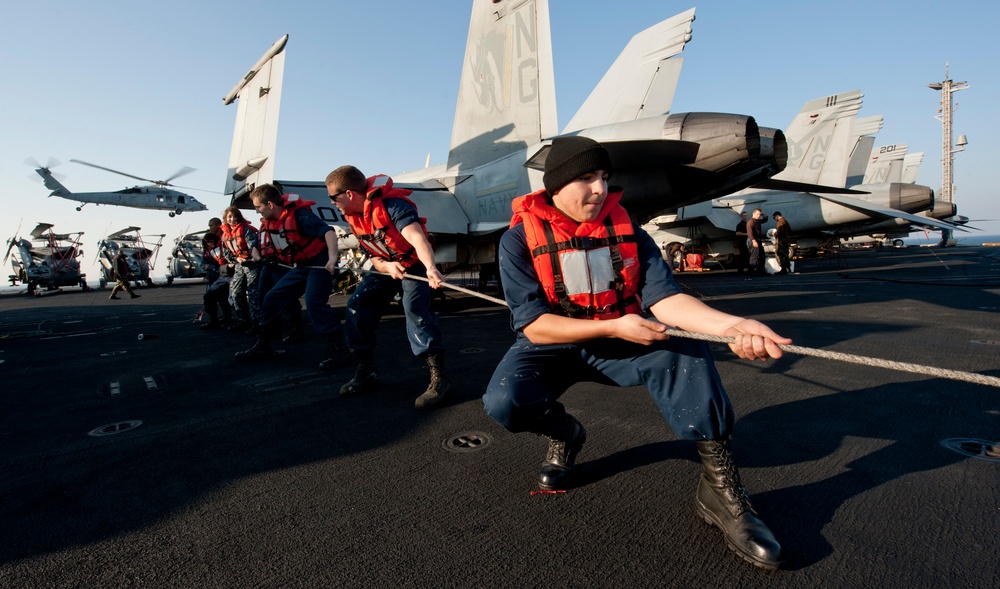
point(587, 271)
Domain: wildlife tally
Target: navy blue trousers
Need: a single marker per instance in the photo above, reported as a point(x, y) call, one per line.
point(370, 300)
point(317, 284)
point(679, 374)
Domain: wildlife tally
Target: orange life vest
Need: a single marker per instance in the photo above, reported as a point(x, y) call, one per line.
point(588, 270)
point(235, 239)
point(282, 238)
point(374, 228)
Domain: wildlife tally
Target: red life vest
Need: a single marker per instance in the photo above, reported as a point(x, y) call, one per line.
point(282, 238)
point(215, 254)
point(374, 228)
point(235, 239)
point(588, 270)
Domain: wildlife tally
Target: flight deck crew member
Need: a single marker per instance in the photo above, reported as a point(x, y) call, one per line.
point(271, 271)
point(755, 241)
point(782, 241)
point(388, 226)
point(743, 252)
point(122, 273)
point(308, 246)
point(579, 276)
point(241, 241)
point(216, 297)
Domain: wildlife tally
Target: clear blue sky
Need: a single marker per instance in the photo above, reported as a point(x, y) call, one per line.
point(138, 87)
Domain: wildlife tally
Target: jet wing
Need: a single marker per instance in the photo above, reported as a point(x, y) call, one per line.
point(790, 186)
point(442, 211)
point(887, 212)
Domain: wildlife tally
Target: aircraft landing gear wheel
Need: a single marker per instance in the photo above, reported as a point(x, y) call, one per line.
point(172, 214)
point(79, 208)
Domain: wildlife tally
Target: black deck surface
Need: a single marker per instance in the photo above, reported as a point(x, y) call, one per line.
point(260, 476)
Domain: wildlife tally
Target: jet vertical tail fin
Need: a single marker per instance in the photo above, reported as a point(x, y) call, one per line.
point(255, 138)
point(506, 96)
point(886, 164)
point(865, 129)
point(911, 167)
point(642, 80)
point(811, 133)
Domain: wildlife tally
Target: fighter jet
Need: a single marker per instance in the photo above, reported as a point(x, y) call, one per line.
point(505, 120)
point(811, 192)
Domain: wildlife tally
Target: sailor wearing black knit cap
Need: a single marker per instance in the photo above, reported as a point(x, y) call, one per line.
point(580, 279)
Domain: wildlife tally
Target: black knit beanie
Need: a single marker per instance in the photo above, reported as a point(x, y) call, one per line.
point(572, 157)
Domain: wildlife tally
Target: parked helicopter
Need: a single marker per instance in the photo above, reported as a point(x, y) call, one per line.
point(51, 262)
point(156, 196)
point(141, 258)
point(186, 260)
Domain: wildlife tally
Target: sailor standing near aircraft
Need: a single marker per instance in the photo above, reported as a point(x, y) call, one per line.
point(308, 246)
point(782, 242)
point(755, 241)
point(578, 276)
point(388, 226)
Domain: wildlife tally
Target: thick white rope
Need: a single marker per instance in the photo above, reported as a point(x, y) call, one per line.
point(852, 358)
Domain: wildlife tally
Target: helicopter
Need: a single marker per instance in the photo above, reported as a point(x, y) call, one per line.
point(158, 195)
point(51, 262)
point(186, 260)
point(141, 258)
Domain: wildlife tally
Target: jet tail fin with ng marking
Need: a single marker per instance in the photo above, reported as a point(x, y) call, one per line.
point(506, 97)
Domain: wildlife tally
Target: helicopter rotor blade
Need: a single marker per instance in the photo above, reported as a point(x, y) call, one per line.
point(9, 248)
point(75, 161)
point(181, 172)
point(198, 189)
point(12, 241)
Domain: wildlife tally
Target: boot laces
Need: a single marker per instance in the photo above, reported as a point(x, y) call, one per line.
point(731, 477)
point(557, 451)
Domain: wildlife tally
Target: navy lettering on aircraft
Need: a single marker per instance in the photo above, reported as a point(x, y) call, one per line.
point(496, 204)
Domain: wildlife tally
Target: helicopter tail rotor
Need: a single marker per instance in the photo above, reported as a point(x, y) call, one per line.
point(36, 165)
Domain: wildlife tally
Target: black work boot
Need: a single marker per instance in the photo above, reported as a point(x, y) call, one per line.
point(566, 436)
point(365, 378)
point(439, 386)
point(295, 335)
point(260, 350)
point(337, 354)
point(722, 500)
